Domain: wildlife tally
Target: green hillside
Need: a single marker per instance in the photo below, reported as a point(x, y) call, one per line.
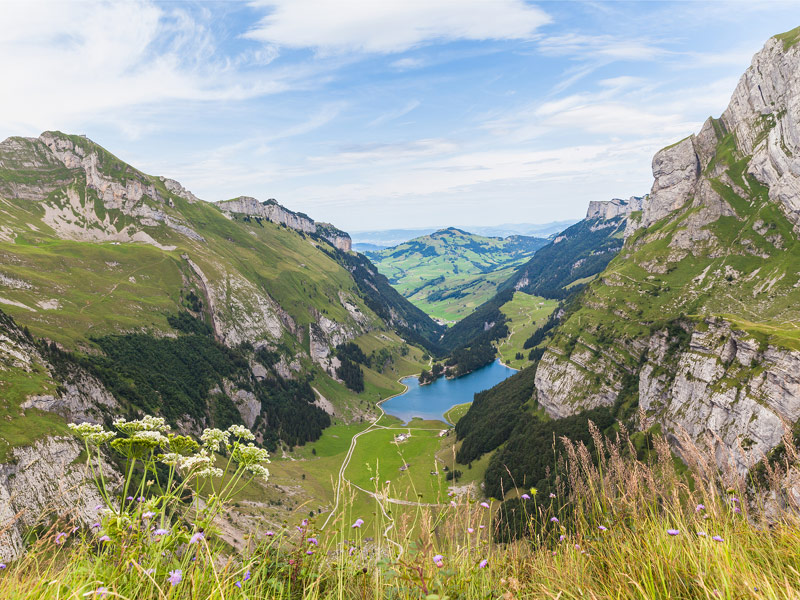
point(117, 275)
point(451, 272)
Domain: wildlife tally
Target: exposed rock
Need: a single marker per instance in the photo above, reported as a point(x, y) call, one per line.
point(42, 482)
point(676, 170)
point(180, 191)
point(270, 210)
point(611, 209)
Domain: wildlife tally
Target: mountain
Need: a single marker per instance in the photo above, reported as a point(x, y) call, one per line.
point(450, 272)
point(691, 328)
point(386, 238)
point(556, 270)
point(123, 293)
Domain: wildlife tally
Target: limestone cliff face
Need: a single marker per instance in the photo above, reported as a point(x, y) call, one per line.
point(717, 240)
point(42, 482)
point(611, 209)
point(274, 212)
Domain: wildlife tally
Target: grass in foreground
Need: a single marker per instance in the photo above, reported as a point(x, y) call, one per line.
point(617, 528)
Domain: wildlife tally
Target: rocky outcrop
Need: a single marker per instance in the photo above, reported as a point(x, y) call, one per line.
point(724, 389)
point(42, 482)
point(270, 210)
point(676, 170)
point(275, 213)
point(611, 209)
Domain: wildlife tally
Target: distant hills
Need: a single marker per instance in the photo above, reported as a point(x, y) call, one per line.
point(373, 240)
point(450, 272)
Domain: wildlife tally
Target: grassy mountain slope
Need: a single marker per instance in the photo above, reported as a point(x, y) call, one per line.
point(450, 272)
point(102, 258)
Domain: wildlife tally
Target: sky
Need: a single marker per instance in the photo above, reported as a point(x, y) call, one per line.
point(378, 114)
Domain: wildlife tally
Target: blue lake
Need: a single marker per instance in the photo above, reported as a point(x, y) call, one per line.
point(432, 401)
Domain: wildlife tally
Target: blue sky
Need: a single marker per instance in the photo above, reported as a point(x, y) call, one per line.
point(376, 114)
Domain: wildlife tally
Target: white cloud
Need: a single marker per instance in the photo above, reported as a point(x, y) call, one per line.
point(395, 114)
point(385, 26)
point(599, 47)
point(66, 63)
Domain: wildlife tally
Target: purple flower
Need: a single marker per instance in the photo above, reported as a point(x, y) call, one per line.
point(101, 591)
point(482, 526)
point(98, 508)
point(246, 576)
point(453, 503)
point(160, 531)
point(313, 540)
point(60, 537)
point(3, 565)
point(701, 533)
point(700, 507)
point(270, 533)
point(304, 522)
point(525, 497)
point(358, 523)
point(603, 528)
point(197, 537)
point(149, 571)
point(438, 560)
point(470, 530)
point(673, 531)
point(483, 564)
point(309, 552)
point(140, 499)
point(737, 510)
point(104, 538)
point(148, 515)
point(129, 498)
point(552, 495)
point(96, 525)
point(485, 504)
point(175, 577)
point(238, 584)
point(561, 538)
point(717, 538)
point(554, 519)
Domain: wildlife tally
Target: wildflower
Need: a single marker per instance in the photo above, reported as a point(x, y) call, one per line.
point(351, 551)
point(481, 526)
point(453, 503)
point(483, 564)
point(92, 434)
point(175, 577)
point(140, 499)
point(246, 576)
point(197, 537)
point(700, 507)
point(737, 510)
point(101, 591)
point(438, 560)
point(470, 530)
point(485, 504)
point(60, 537)
point(701, 533)
point(104, 538)
point(96, 525)
point(673, 531)
point(717, 538)
point(98, 508)
point(525, 497)
point(304, 522)
point(160, 531)
point(554, 519)
point(552, 495)
point(603, 528)
point(241, 432)
point(309, 552)
point(3, 566)
point(270, 533)
point(129, 498)
point(313, 540)
point(357, 524)
point(561, 538)
point(148, 515)
point(238, 584)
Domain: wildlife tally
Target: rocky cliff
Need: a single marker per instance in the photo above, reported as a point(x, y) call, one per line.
point(616, 207)
point(693, 321)
point(275, 213)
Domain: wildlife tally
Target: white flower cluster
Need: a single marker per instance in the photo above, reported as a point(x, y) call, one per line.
point(241, 432)
point(202, 460)
point(93, 434)
point(214, 438)
point(151, 438)
point(251, 457)
point(147, 423)
point(171, 458)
